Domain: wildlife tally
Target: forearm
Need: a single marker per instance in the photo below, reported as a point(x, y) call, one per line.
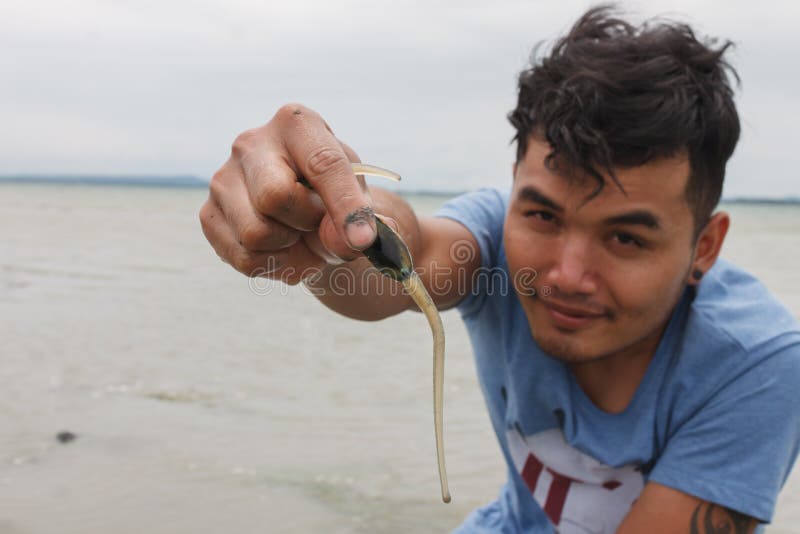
point(356, 289)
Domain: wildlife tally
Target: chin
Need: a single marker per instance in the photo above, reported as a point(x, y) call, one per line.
point(565, 347)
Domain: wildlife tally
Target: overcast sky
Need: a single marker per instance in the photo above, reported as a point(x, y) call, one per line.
point(163, 86)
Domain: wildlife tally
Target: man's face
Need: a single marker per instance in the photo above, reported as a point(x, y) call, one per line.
point(610, 270)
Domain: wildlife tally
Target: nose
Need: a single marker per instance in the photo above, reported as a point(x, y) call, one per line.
point(573, 270)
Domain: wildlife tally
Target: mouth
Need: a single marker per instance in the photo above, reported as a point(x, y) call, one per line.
point(570, 318)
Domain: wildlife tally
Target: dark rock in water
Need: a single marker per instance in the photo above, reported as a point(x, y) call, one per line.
point(66, 437)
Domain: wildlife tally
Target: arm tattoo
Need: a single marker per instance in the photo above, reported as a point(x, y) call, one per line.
point(727, 521)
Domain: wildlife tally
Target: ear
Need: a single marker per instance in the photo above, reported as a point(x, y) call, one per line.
point(708, 245)
point(514, 170)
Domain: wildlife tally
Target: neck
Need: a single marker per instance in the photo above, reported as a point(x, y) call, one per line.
point(611, 381)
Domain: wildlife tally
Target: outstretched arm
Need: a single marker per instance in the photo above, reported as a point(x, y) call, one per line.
point(262, 219)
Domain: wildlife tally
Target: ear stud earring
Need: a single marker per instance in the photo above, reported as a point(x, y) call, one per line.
point(697, 274)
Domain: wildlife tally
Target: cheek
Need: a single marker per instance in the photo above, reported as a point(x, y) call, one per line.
point(521, 250)
point(643, 291)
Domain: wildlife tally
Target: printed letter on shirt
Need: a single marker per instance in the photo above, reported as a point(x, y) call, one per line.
point(579, 494)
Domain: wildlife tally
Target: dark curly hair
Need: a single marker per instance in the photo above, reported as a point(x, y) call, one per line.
point(610, 94)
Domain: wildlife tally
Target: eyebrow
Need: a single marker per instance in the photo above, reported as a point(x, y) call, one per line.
point(637, 217)
point(531, 194)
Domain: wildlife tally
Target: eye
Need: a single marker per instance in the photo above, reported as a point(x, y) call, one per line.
point(628, 240)
point(545, 216)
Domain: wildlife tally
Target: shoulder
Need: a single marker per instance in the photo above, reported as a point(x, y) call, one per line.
point(736, 324)
point(487, 199)
point(482, 212)
point(733, 303)
point(737, 337)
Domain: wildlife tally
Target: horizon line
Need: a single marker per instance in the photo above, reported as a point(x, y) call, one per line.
point(194, 181)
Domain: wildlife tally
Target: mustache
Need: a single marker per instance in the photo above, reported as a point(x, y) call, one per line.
point(579, 302)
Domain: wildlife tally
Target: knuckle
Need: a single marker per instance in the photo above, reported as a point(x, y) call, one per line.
point(244, 143)
point(289, 110)
point(346, 199)
point(253, 235)
point(206, 215)
point(288, 201)
point(244, 263)
point(217, 185)
point(268, 197)
point(237, 261)
point(325, 161)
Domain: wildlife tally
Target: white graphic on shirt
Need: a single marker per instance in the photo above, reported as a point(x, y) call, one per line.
point(579, 494)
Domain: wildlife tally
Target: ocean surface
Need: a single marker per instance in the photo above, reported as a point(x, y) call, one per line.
point(203, 402)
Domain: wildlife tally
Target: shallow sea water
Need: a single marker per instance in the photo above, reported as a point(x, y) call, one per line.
point(205, 403)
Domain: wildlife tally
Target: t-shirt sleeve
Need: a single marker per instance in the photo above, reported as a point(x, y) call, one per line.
point(738, 449)
point(482, 212)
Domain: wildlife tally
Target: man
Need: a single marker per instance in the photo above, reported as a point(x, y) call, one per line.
point(635, 382)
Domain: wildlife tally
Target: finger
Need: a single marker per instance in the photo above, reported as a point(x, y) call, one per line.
point(300, 263)
point(330, 242)
point(353, 158)
point(275, 192)
point(323, 162)
point(222, 238)
point(349, 152)
point(314, 243)
point(251, 230)
point(288, 265)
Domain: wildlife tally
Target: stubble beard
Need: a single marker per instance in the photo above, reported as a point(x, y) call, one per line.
point(561, 344)
point(564, 349)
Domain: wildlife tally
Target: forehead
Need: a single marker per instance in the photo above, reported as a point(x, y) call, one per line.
point(658, 185)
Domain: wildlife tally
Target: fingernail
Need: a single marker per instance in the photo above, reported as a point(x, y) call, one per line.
point(316, 200)
point(360, 228)
point(360, 235)
point(335, 261)
point(331, 258)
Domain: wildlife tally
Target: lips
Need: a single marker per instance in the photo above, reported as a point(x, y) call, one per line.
point(569, 317)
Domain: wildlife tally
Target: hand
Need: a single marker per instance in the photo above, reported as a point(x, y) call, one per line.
point(263, 221)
